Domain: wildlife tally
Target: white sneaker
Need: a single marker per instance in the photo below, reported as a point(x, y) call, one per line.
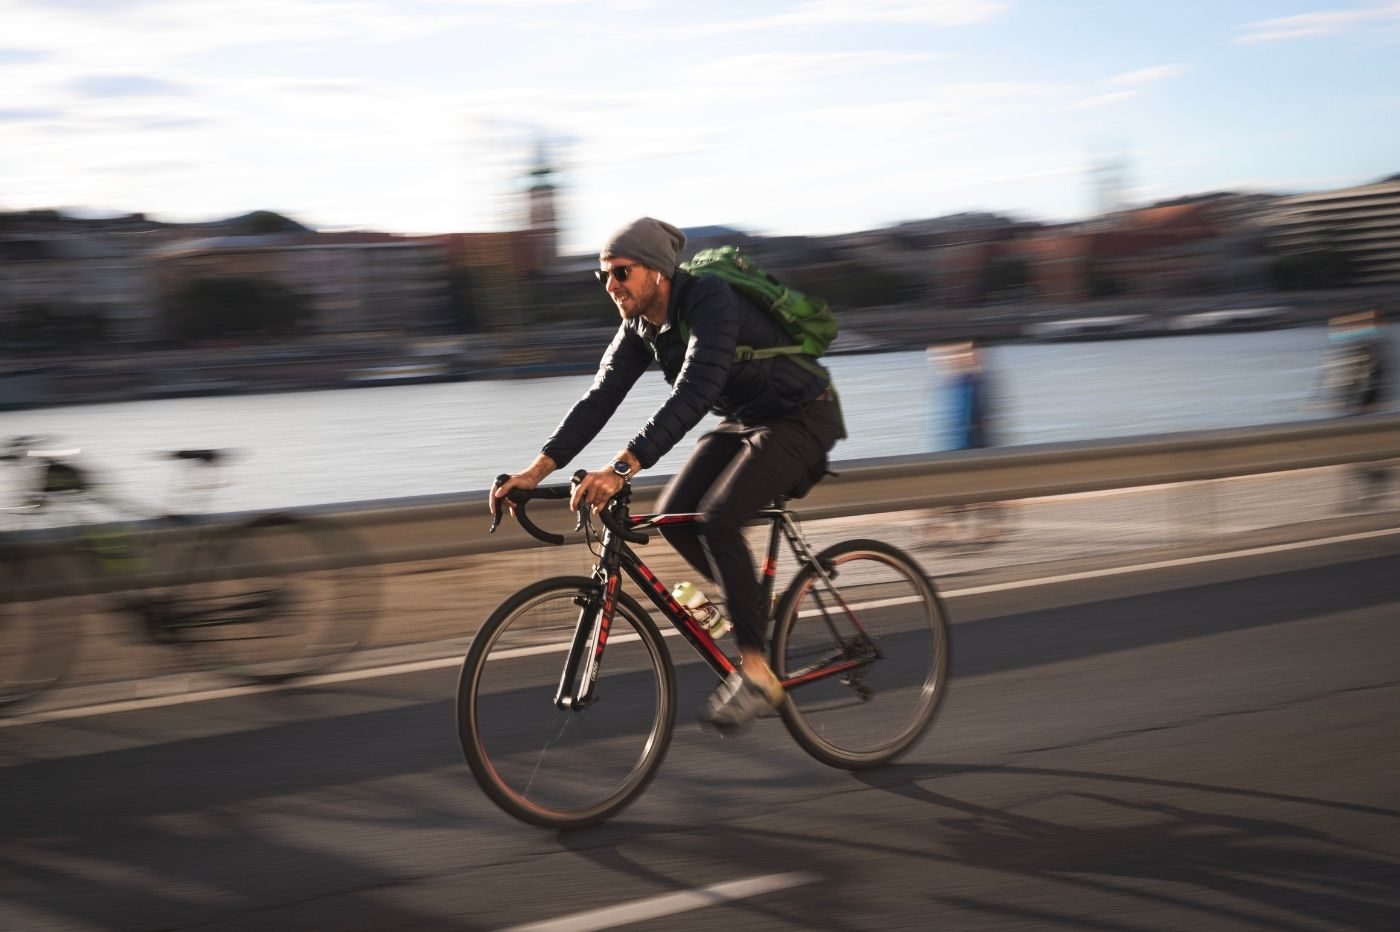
point(737, 702)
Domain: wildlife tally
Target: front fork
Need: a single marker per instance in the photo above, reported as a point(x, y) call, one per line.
point(580, 676)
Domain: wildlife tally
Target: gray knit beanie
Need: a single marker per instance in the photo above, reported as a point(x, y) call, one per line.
point(654, 243)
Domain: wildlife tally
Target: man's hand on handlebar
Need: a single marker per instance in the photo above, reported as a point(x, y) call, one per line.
point(528, 479)
point(597, 489)
point(587, 491)
point(501, 489)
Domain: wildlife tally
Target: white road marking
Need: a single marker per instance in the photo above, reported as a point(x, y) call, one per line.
point(346, 676)
point(667, 904)
point(1160, 486)
point(1169, 564)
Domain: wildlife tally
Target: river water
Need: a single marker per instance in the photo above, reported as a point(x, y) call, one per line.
point(375, 443)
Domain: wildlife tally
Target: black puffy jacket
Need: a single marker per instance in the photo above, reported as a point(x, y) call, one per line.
point(702, 373)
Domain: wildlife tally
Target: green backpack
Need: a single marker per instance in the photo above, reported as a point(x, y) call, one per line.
point(807, 319)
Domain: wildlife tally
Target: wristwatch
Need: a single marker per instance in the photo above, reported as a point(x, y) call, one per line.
point(622, 468)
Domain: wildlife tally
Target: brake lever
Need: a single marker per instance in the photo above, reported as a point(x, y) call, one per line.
point(582, 510)
point(499, 511)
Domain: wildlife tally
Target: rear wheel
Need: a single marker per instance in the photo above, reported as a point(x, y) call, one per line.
point(274, 598)
point(41, 607)
point(564, 768)
point(883, 613)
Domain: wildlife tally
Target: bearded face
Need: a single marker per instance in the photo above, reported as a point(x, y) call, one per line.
point(634, 288)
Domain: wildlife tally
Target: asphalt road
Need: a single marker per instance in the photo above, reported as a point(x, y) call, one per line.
point(1208, 745)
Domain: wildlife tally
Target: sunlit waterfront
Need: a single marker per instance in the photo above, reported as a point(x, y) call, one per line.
point(375, 443)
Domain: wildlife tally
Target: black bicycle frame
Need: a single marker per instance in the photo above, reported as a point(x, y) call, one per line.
point(598, 604)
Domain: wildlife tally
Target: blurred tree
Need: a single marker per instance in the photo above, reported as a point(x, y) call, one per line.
point(1102, 282)
point(498, 295)
point(1323, 267)
point(229, 307)
point(1007, 277)
point(851, 283)
point(264, 222)
point(462, 316)
point(570, 298)
point(53, 326)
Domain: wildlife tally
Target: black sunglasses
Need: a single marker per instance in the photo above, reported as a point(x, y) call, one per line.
point(620, 272)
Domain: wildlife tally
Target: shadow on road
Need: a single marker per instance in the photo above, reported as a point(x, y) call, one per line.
point(1078, 849)
point(1035, 637)
point(1107, 835)
point(143, 830)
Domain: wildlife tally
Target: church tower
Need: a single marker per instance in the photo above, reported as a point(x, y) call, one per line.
point(543, 218)
point(1110, 184)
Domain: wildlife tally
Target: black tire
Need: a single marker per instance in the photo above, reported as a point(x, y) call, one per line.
point(550, 767)
point(274, 598)
point(869, 719)
point(42, 604)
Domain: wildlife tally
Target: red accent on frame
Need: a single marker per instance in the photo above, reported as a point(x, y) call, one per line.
point(671, 604)
point(698, 635)
point(661, 519)
point(609, 599)
point(821, 673)
point(770, 567)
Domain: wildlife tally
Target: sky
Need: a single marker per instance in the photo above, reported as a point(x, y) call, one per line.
point(798, 117)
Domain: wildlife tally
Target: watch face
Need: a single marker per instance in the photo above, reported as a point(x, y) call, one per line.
point(621, 468)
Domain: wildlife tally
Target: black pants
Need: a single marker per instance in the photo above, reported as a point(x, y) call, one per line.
point(735, 471)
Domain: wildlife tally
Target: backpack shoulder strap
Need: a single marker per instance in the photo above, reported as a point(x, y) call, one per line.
point(795, 352)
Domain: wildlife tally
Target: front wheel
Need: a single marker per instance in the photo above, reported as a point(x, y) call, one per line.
point(564, 768)
point(41, 606)
point(867, 607)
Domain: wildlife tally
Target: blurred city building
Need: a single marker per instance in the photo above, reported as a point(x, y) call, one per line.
point(94, 276)
point(88, 274)
point(1171, 250)
point(356, 282)
point(77, 286)
point(1360, 225)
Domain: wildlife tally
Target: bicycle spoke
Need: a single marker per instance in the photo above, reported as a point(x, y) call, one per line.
point(268, 602)
point(39, 612)
point(562, 767)
point(868, 691)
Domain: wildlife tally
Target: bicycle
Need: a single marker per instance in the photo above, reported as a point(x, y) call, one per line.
point(864, 665)
point(967, 527)
point(262, 598)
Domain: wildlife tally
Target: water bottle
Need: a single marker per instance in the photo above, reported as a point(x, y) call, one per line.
point(705, 612)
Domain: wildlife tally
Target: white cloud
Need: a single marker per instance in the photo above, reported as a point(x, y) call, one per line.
point(410, 115)
point(791, 67)
point(1148, 75)
point(164, 31)
point(826, 13)
point(947, 103)
point(1127, 86)
point(1316, 24)
point(910, 12)
point(1107, 99)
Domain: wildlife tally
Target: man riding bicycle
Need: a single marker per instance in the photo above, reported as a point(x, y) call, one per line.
point(780, 419)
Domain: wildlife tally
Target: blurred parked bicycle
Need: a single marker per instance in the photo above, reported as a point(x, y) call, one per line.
point(263, 598)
